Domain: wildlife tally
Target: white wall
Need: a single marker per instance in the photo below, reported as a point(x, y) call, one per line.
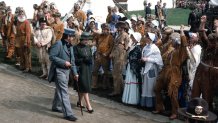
point(134, 5)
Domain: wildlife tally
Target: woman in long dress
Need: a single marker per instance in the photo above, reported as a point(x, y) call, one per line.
point(153, 63)
point(131, 93)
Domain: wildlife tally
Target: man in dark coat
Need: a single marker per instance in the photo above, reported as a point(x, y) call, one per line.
point(62, 58)
point(148, 11)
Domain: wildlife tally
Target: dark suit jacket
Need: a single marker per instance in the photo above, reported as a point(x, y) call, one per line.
point(58, 55)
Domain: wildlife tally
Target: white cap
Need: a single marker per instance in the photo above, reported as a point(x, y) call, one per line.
point(155, 23)
point(152, 36)
point(137, 36)
point(133, 17)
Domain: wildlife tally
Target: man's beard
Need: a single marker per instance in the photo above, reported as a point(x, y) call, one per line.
point(21, 18)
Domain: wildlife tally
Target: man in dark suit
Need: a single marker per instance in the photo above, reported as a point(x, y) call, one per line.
point(148, 11)
point(62, 58)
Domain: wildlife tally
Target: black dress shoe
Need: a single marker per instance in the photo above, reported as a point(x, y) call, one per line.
point(70, 118)
point(56, 110)
point(90, 111)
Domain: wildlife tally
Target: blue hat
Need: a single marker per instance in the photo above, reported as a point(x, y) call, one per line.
point(69, 31)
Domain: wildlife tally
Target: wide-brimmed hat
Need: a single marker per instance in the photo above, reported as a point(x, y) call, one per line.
point(70, 32)
point(86, 36)
point(197, 109)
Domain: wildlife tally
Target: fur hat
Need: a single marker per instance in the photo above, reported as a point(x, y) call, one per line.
point(105, 26)
point(168, 30)
point(197, 109)
point(21, 10)
point(57, 14)
point(176, 37)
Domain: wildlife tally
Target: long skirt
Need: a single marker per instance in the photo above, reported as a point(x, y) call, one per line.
point(148, 84)
point(131, 93)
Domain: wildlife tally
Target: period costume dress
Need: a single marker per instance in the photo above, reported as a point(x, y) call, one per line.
point(150, 72)
point(83, 56)
point(131, 93)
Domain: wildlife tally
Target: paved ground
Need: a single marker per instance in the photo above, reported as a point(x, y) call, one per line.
point(24, 98)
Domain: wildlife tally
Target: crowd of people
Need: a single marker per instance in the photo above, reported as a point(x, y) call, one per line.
point(147, 60)
point(201, 5)
point(160, 12)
